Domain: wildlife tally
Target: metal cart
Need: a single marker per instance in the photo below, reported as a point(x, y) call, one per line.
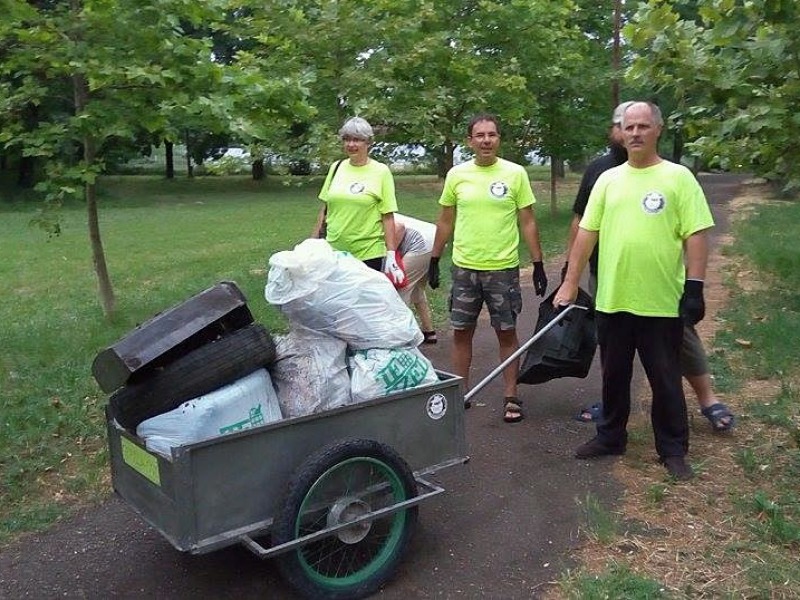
point(337, 491)
point(334, 493)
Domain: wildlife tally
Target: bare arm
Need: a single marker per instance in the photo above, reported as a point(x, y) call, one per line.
point(530, 232)
point(320, 221)
point(389, 231)
point(696, 249)
point(399, 232)
point(573, 232)
point(444, 229)
point(582, 247)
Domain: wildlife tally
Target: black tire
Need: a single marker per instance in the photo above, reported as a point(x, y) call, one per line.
point(346, 480)
point(199, 372)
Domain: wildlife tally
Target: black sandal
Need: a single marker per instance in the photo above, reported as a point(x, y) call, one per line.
point(429, 337)
point(513, 410)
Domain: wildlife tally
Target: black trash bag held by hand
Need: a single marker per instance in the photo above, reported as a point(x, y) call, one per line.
point(567, 349)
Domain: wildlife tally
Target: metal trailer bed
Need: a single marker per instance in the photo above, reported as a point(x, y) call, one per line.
point(344, 482)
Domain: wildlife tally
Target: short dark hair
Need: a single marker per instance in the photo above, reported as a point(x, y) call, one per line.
point(482, 117)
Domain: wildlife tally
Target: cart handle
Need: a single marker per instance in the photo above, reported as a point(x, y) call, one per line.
point(521, 349)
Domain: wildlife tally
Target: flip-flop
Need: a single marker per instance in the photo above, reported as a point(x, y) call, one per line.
point(590, 414)
point(716, 413)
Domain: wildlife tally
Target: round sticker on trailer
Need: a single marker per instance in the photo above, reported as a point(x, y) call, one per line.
point(436, 406)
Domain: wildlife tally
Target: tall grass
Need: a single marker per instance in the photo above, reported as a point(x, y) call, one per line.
point(164, 242)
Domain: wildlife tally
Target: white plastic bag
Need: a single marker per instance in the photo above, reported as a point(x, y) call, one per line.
point(310, 372)
point(379, 371)
point(297, 273)
point(247, 402)
point(352, 302)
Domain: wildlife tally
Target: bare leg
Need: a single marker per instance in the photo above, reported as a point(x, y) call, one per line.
point(508, 345)
point(462, 353)
point(424, 313)
point(701, 384)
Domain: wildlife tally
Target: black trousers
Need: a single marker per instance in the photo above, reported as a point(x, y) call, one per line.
point(375, 264)
point(658, 342)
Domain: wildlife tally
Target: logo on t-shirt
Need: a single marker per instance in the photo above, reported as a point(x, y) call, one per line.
point(356, 188)
point(498, 189)
point(653, 203)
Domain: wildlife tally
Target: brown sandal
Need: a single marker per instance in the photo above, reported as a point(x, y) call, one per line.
point(513, 410)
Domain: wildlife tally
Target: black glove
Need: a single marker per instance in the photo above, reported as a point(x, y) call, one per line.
point(433, 272)
point(692, 307)
point(539, 278)
point(564, 271)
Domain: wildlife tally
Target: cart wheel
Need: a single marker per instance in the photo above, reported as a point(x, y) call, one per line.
point(339, 484)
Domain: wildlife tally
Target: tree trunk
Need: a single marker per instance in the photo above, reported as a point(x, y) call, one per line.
point(553, 177)
point(615, 52)
point(26, 168)
point(258, 169)
point(26, 172)
point(559, 166)
point(107, 300)
point(189, 167)
point(444, 158)
point(169, 155)
point(677, 145)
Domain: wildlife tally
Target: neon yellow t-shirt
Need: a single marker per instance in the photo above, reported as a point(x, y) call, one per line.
point(357, 198)
point(643, 216)
point(487, 199)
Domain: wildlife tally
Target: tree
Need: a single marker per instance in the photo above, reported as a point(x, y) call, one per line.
point(438, 63)
point(733, 72)
point(122, 79)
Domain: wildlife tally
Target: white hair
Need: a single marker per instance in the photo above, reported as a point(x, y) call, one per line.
point(356, 127)
point(616, 118)
point(654, 110)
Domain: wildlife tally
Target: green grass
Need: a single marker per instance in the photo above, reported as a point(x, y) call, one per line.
point(618, 582)
point(767, 318)
point(164, 242)
point(601, 523)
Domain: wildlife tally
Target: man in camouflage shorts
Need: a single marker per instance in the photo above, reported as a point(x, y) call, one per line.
point(486, 203)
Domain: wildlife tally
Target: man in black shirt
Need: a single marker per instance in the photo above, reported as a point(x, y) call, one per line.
point(616, 156)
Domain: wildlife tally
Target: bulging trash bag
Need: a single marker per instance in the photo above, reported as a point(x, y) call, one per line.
point(343, 298)
point(380, 371)
point(310, 372)
point(567, 349)
point(246, 403)
point(297, 273)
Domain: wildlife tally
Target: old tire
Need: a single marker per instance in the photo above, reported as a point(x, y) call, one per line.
point(199, 372)
point(342, 482)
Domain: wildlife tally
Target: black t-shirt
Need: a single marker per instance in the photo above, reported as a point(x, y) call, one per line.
point(594, 169)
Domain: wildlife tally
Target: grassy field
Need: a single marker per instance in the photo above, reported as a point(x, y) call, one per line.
point(164, 242)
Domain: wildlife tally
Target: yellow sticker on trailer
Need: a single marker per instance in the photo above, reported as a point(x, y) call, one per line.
point(140, 460)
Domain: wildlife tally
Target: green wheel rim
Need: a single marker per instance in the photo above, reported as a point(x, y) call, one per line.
point(331, 563)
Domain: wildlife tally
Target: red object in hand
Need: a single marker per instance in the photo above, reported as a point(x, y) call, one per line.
point(399, 260)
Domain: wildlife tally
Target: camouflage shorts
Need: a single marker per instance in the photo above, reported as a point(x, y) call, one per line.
point(693, 355)
point(498, 289)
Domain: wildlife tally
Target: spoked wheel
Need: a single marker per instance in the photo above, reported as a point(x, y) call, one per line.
point(344, 482)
